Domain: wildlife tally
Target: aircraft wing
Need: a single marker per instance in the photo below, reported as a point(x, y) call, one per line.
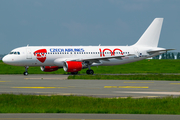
point(97, 60)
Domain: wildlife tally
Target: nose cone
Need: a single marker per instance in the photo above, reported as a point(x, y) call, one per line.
point(5, 59)
point(12, 60)
point(8, 60)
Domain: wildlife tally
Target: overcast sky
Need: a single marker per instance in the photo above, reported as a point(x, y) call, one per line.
point(85, 22)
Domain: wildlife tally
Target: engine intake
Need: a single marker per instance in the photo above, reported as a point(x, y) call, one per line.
point(49, 68)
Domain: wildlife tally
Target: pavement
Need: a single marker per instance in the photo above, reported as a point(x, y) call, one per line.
point(60, 85)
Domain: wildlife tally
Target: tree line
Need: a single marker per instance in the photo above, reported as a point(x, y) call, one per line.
point(167, 55)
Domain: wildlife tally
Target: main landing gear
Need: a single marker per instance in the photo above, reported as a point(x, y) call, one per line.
point(89, 71)
point(26, 70)
point(74, 73)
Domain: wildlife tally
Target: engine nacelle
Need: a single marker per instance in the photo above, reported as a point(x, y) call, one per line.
point(72, 66)
point(49, 68)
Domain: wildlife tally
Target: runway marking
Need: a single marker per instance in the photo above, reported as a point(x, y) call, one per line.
point(39, 87)
point(4, 81)
point(56, 119)
point(160, 93)
point(45, 78)
point(140, 97)
point(138, 82)
point(175, 83)
point(126, 87)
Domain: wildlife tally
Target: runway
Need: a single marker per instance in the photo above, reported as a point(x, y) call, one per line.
point(60, 85)
point(87, 117)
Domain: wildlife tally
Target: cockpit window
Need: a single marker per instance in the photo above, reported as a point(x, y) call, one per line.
point(15, 53)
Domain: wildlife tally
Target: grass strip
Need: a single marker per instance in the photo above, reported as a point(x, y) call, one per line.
point(10, 103)
point(143, 66)
point(127, 77)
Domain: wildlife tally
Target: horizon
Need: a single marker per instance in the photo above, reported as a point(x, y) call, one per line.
point(85, 23)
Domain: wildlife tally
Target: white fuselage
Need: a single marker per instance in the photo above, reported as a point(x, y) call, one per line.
point(56, 55)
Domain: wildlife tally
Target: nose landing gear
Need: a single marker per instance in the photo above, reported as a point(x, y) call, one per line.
point(26, 70)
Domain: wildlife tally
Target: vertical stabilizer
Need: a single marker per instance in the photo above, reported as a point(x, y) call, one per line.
point(150, 38)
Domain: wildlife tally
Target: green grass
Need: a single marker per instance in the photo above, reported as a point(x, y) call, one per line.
point(9, 69)
point(127, 77)
point(144, 66)
point(73, 104)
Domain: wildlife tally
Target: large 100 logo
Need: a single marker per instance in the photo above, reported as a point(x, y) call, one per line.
point(102, 52)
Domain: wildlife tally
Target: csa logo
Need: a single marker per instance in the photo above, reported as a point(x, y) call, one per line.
point(41, 55)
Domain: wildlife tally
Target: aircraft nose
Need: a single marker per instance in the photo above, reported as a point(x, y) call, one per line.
point(4, 59)
point(7, 59)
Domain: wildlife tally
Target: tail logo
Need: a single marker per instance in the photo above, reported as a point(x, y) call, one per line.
point(41, 55)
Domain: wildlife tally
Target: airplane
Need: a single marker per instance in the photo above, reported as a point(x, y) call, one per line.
point(75, 58)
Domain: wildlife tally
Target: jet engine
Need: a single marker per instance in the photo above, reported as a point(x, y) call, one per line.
point(72, 66)
point(49, 68)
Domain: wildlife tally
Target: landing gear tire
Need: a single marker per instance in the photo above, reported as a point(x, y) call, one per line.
point(26, 70)
point(25, 73)
point(74, 73)
point(90, 72)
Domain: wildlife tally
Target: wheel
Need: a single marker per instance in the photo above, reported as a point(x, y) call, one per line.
point(74, 73)
point(25, 73)
point(90, 72)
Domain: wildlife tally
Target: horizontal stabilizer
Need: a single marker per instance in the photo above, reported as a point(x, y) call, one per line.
point(155, 51)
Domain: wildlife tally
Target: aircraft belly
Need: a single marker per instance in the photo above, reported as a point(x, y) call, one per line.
point(120, 61)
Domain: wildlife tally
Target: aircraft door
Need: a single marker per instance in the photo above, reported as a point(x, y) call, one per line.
point(28, 53)
point(136, 51)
